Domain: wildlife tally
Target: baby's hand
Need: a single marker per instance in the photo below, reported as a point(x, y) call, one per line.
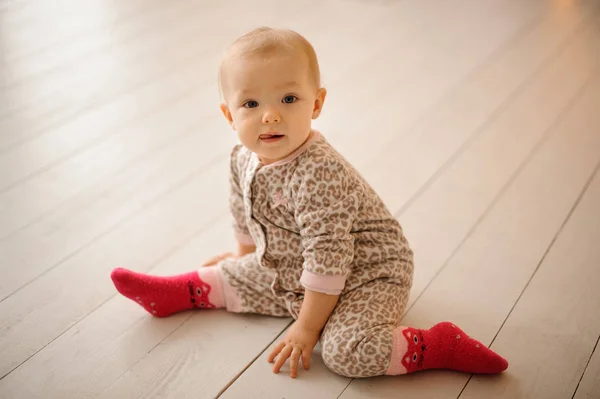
point(298, 342)
point(218, 258)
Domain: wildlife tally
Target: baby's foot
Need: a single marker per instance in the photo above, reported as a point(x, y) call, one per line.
point(163, 296)
point(443, 346)
point(456, 350)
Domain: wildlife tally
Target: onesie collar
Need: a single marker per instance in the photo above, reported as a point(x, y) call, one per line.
point(315, 135)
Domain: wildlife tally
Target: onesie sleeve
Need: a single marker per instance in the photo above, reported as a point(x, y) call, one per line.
point(326, 205)
point(236, 200)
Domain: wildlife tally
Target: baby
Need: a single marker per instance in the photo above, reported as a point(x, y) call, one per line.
point(315, 242)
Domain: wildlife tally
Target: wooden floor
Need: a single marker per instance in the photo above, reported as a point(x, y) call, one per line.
point(478, 122)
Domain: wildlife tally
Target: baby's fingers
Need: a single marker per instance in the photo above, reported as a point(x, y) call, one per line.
point(283, 356)
point(306, 359)
point(214, 260)
point(275, 351)
point(294, 359)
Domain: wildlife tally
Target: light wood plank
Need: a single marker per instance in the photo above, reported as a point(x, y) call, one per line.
point(146, 237)
point(38, 73)
point(101, 123)
point(39, 38)
point(466, 112)
point(30, 97)
point(52, 66)
point(98, 81)
point(589, 386)
point(10, 5)
point(120, 153)
point(34, 32)
point(549, 336)
point(35, 13)
point(41, 73)
point(480, 283)
point(109, 204)
point(435, 229)
point(510, 136)
point(423, 76)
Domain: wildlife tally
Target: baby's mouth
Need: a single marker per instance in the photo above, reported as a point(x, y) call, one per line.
point(269, 138)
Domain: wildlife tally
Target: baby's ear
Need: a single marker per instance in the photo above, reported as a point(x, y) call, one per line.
point(319, 101)
point(227, 114)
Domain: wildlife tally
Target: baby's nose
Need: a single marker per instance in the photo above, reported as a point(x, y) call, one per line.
point(272, 117)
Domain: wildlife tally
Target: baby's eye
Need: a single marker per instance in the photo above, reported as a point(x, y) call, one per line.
point(289, 99)
point(251, 104)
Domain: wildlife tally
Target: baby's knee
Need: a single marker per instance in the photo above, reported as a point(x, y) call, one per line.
point(338, 360)
point(360, 356)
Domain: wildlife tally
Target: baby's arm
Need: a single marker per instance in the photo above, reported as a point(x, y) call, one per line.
point(316, 309)
point(326, 202)
point(243, 249)
point(245, 243)
point(236, 205)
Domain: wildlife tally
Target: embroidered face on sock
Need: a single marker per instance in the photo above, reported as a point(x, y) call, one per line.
point(199, 295)
point(413, 359)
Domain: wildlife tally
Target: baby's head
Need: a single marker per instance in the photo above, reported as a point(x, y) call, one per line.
point(271, 90)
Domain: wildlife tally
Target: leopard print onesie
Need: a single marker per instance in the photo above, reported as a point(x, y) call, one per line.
point(317, 224)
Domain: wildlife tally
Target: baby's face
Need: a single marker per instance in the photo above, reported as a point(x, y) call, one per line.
point(270, 102)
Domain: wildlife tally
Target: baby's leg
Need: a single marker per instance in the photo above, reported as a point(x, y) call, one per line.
point(213, 287)
point(357, 339)
point(247, 287)
point(163, 296)
point(362, 338)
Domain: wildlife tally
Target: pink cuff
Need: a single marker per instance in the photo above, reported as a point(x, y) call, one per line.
point(233, 301)
point(331, 285)
point(399, 348)
point(244, 239)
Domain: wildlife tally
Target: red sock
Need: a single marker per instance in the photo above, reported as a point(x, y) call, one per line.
point(443, 346)
point(163, 296)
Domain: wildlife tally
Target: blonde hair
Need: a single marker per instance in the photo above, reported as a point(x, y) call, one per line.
point(266, 41)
